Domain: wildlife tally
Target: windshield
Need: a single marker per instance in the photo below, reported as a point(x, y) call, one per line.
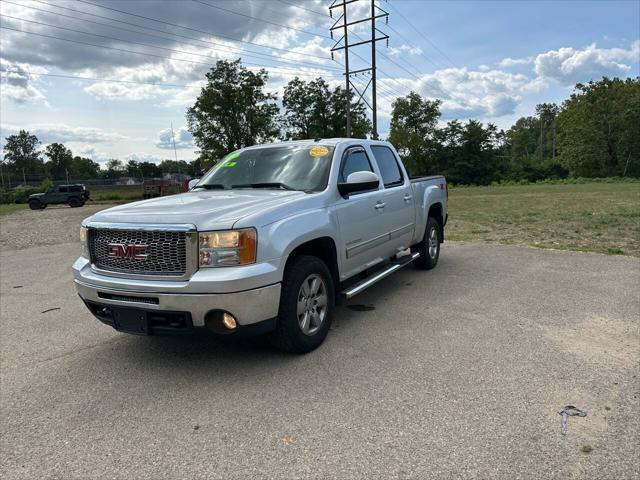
point(292, 167)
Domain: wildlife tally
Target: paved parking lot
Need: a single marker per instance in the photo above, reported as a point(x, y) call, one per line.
point(454, 373)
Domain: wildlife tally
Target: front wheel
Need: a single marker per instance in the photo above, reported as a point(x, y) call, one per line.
point(36, 205)
point(75, 202)
point(306, 305)
point(429, 247)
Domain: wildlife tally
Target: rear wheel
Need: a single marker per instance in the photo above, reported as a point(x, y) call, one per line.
point(36, 205)
point(306, 305)
point(74, 202)
point(429, 248)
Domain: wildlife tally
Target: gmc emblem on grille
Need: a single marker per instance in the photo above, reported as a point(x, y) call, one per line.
point(120, 250)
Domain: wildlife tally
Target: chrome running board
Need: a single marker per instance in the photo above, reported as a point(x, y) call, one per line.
point(378, 275)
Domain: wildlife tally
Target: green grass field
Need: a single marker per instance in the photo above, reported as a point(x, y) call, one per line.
point(6, 208)
point(592, 217)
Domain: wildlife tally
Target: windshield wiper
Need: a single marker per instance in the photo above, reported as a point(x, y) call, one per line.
point(264, 185)
point(210, 186)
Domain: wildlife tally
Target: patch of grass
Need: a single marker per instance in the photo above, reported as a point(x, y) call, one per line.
point(591, 217)
point(7, 208)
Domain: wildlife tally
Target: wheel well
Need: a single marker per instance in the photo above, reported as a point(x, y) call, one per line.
point(435, 211)
point(325, 249)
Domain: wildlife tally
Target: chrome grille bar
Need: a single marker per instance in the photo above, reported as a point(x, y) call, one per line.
point(170, 251)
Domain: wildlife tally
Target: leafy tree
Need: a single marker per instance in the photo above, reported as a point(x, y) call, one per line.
point(232, 111)
point(60, 160)
point(149, 170)
point(599, 129)
point(360, 124)
point(84, 168)
point(312, 111)
point(175, 166)
point(413, 131)
point(115, 168)
point(21, 153)
point(133, 169)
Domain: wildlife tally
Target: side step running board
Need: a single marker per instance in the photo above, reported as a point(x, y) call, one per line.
point(377, 276)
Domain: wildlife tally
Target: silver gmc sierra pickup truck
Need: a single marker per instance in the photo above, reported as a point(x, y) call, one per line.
point(266, 242)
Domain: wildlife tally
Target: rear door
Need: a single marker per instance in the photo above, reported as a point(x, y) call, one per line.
point(59, 195)
point(362, 229)
point(399, 209)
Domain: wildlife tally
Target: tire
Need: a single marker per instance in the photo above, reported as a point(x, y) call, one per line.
point(301, 331)
point(36, 205)
point(429, 247)
point(74, 202)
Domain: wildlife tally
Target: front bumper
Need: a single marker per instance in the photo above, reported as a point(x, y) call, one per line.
point(248, 307)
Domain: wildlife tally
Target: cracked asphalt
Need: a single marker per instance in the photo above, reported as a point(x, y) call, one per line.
point(454, 373)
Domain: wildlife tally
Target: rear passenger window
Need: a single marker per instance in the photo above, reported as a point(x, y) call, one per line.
point(389, 169)
point(356, 161)
point(63, 190)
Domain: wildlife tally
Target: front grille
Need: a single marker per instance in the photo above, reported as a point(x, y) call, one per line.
point(166, 251)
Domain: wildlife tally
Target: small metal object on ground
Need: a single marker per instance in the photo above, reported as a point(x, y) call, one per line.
point(50, 310)
point(565, 413)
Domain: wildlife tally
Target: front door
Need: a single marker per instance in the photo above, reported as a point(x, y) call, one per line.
point(362, 228)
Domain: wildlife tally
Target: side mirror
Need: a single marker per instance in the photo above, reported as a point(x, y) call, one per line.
point(359, 182)
point(193, 182)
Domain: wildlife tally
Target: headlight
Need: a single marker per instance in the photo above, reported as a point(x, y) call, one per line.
point(227, 247)
point(84, 242)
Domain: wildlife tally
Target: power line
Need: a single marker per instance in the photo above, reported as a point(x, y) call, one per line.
point(390, 27)
point(423, 35)
point(126, 41)
point(174, 25)
point(152, 54)
point(93, 79)
point(217, 7)
point(251, 54)
point(302, 8)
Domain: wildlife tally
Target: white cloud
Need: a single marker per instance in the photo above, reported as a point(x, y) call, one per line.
point(404, 49)
point(511, 62)
point(309, 52)
point(144, 157)
point(568, 65)
point(61, 133)
point(17, 82)
point(472, 94)
point(180, 137)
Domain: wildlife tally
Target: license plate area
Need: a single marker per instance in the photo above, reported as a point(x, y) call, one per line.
point(131, 321)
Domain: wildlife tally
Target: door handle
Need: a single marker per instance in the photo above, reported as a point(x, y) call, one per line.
point(380, 205)
point(407, 198)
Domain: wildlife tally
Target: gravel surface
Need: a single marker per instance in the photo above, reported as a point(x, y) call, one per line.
point(454, 373)
point(54, 225)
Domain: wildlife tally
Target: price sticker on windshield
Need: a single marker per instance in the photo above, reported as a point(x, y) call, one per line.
point(318, 151)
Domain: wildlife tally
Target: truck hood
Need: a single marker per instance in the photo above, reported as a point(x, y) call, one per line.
point(207, 210)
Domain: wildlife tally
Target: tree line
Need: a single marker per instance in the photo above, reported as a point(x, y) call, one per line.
point(593, 133)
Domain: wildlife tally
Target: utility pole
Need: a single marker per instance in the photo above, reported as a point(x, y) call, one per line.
point(343, 44)
point(173, 139)
point(24, 177)
point(374, 106)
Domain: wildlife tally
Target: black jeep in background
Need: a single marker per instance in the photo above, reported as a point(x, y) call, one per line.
point(72, 195)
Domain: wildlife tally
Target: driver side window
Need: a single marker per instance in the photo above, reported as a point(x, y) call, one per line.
point(355, 161)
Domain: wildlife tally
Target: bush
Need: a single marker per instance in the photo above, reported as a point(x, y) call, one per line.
point(46, 185)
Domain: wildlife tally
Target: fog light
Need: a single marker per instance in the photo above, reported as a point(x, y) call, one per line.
point(228, 321)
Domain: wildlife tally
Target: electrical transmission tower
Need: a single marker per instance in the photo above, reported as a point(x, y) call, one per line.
point(343, 44)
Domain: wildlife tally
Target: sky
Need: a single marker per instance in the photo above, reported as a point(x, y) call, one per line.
point(113, 78)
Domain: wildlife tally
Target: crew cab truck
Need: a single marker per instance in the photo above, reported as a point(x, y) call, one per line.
point(72, 195)
point(266, 242)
